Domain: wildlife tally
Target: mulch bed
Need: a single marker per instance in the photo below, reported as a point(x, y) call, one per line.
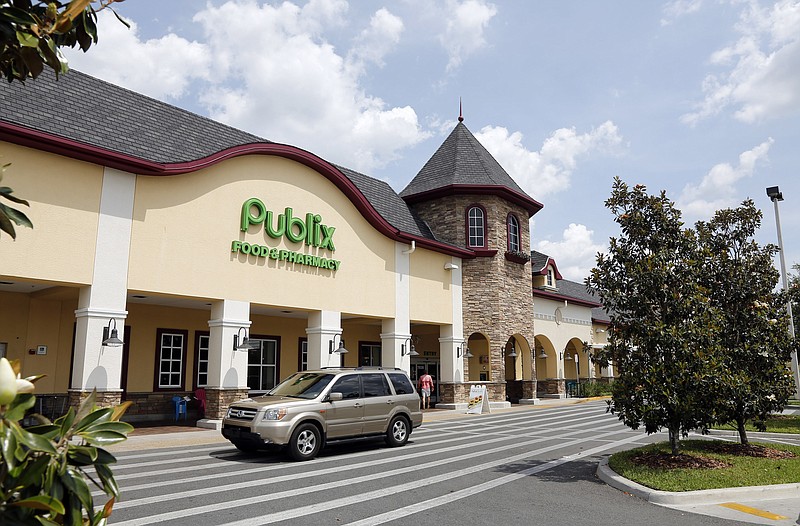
point(658, 460)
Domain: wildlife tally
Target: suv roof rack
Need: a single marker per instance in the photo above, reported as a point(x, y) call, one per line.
point(377, 368)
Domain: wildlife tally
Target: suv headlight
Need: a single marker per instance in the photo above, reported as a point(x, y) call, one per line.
point(275, 414)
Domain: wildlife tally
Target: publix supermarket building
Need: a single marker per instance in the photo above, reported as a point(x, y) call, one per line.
point(172, 254)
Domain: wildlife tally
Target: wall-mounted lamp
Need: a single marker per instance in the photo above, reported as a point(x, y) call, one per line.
point(512, 354)
point(110, 335)
point(241, 342)
point(332, 349)
point(599, 331)
point(411, 349)
point(543, 355)
point(463, 349)
point(450, 266)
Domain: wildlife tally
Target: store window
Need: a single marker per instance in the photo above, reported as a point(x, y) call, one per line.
point(369, 354)
point(476, 227)
point(171, 356)
point(513, 233)
point(262, 364)
point(302, 355)
point(201, 354)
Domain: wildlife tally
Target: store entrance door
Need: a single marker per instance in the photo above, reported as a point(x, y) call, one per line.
point(422, 366)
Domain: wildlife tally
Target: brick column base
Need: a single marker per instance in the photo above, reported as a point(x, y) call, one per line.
point(103, 399)
point(456, 396)
point(218, 400)
point(551, 388)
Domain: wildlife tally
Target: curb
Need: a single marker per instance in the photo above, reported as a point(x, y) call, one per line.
point(706, 496)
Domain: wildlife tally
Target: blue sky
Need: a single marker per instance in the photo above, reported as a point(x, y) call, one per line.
point(700, 98)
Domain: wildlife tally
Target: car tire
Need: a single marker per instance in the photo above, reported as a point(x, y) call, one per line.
point(245, 447)
point(305, 443)
point(398, 431)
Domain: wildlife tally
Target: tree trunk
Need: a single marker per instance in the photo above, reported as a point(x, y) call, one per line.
point(740, 422)
point(674, 441)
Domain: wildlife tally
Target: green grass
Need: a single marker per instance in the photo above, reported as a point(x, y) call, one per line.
point(775, 424)
point(742, 470)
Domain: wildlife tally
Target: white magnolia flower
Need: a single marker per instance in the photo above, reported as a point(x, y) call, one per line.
point(11, 384)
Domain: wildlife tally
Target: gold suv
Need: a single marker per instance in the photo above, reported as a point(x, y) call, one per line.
point(310, 408)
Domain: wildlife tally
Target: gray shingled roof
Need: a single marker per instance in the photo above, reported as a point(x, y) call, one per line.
point(388, 204)
point(460, 160)
point(538, 261)
point(87, 110)
point(575, 290)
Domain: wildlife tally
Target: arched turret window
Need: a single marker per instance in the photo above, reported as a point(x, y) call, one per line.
point(476, 227)
point(513, 234)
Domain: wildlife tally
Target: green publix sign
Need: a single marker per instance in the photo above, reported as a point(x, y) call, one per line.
point(309, 231)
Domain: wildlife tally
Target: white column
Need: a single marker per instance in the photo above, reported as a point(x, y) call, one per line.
point(394, 337)
point(395, 332)
point(227, 368)
point(323, 327)
point(452, 336)
point(96, 366)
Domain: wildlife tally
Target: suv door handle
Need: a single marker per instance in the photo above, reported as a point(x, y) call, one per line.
point(389, 402)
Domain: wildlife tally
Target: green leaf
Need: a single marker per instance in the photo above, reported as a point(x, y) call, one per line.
point(41, 502)
point(17, 409)
point(15, 215)
point(105, 438)
point(6, 193)
point(8, 444)
point(27, 39)
point(74, 481)
point(95, 417)
point(35, 442)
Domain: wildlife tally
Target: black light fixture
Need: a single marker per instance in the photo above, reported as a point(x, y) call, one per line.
point(463, 349)
point(241, 342)
point(110, 335)
point(543, 355)
point(332, 349)
point(411, 349)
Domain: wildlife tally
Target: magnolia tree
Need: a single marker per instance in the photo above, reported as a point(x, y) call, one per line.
point(659, 335)
point(47, 469)
point(752, 328)
point(32, 34)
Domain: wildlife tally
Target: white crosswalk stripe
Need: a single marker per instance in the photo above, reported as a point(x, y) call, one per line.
point(215, 485)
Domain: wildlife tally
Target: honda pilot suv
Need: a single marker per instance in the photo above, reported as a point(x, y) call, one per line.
point(310, 408)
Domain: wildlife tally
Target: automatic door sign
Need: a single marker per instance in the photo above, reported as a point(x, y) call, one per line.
point(478, 400)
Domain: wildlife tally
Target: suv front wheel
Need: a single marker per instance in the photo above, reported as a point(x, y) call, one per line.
point(305, 443)
point(397, 433)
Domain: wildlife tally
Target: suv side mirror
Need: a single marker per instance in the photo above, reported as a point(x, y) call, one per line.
point(334, 397)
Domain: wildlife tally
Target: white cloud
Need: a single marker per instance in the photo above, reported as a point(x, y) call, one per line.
point(762, 79)
point(376, 41)
point(679, 8)
point(463, 32)
point(717, 190)
point(270, 70)
point(575, 253)
point(550, 169)
point(162, 68)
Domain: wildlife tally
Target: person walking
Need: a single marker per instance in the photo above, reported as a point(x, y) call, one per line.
point(425, 385)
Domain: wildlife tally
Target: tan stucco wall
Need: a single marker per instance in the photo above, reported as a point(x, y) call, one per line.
point(64, 197)
point(184, 225)
point(431, 293)
point(29, 322)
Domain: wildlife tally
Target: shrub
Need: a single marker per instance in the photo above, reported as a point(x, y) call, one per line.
point(43, 468)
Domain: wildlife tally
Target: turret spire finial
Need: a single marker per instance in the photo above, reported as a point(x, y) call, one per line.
point(460, 113)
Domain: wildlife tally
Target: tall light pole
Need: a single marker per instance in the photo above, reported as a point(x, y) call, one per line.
point(775, 195)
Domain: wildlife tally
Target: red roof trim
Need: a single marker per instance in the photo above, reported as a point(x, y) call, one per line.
point(93, 154)
point(561, 297)
point(528, 203)
point(550, 263)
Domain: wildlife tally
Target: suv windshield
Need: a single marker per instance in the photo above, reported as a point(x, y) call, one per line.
point(302, 385)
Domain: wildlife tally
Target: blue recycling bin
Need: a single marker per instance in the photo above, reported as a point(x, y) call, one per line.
point(180, 407)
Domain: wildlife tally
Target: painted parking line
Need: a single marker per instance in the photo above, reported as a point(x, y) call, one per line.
point(753, 511)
